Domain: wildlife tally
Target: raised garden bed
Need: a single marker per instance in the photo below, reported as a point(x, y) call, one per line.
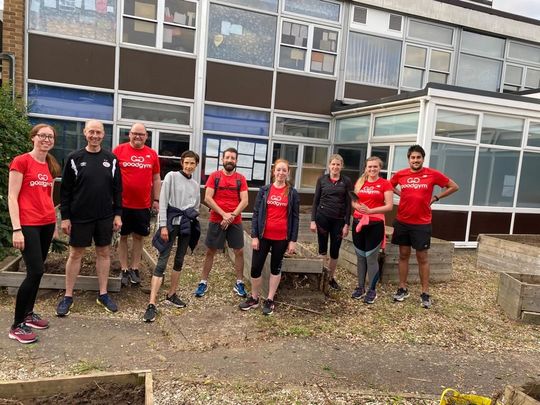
point(134, 387)
point(518, 254)
point(527, 394)
point(519, 296)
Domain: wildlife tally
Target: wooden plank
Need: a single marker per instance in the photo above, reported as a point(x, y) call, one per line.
point(509, 295)
point(501, 253)
point(531, 317)
point(148, 388)
point(530, 297)
point(58, 281)
point(10, 263)
point(514, 396)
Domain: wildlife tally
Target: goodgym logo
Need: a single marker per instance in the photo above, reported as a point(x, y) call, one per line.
point(41, 181)
point(138, 162)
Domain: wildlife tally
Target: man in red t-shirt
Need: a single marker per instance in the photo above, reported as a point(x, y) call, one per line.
point(141, 183)
point(227, 196)
point(412, 226)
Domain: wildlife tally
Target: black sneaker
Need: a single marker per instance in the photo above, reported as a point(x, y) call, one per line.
point(64, 306)
point(106, 302)
point(358, 293)
point(150, 313)
point(248, 304)
point(370, 297)
point(175, 301)
point(134, 276)
point(426, 300)
point(268, 307)
point(333, 284)
point(125, 278)
point(401, 294)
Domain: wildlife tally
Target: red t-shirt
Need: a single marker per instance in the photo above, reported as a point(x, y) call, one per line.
point(372, 194)
point(416, 193)
point(276, 214)
point(138, 167)
point(227, 196)
point(35, 197)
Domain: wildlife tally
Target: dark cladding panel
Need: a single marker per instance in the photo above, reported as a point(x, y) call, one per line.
point(366, 93)
point(304, 93)
point(155, 73)
point(238, 85)
point(73, 62)
point(489, 222)
point(449, 225)
point(527, 223)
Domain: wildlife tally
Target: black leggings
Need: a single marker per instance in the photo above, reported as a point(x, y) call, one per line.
point(329, 227)
point(278, 247)
point(37, 240)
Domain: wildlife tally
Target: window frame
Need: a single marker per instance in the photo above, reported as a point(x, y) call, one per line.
point(427, 69)
point(305, 17)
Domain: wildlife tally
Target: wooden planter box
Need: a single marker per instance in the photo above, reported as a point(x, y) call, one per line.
point(528, 394)
point(440, 260)
point(48, 387)
point(509, 253)
point(519, 296)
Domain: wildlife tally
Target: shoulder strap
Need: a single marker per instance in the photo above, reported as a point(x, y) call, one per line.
point(216, 184)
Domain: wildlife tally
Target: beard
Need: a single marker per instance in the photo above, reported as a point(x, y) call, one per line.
point(229, 166)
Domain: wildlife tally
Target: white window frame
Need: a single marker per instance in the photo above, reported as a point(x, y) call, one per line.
point(317, 19)
point(427, 66)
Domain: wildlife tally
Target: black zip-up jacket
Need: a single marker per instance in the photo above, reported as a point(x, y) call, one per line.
point(189, 226)
point(332, 199)
point(258, 220)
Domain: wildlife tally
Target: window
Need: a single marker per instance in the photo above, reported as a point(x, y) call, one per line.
point(323, 9)
point(313, 165)
point(301, 43)
point(479, 73)
point(360, 15)
point(458, 125)
point(264, 5)
point(88, 20)
point(482, 45)
point(496, 177)
point(163, 112)
point(289, 153)
point(395, 125)
point(534, 134)
point(241, 36)
point(430, 32)
point(524, 52)
point(353, 129)
point(504, 131)
point(373, 60)
point(236, 120)
point(168, 25)
point(353, 158)
point(170, 148)
point(123, 136)
point(63, 101)
point(302, 128)
point(520, 78)
point(529, 192)
point(423, 65)
point(394, 22)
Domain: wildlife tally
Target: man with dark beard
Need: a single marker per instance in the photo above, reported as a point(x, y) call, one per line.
point(227, 195)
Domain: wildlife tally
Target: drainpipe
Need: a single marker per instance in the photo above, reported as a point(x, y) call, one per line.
point(10, 57)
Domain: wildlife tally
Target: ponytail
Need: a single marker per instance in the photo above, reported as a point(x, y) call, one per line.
point(54, 166)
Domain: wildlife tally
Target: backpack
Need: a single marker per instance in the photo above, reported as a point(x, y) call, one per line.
point(238, 184)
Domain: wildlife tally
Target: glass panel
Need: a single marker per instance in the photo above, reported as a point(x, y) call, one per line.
point(290, 153)
point(415, 56)
point(172, 145)
point(70, 102)
point(478, 73)
point(458, 125)
point(524, 52)
point(292, 58)
point(400, 158)
point(498, 130)
point(436, 77)
point(141, 8)
point(479, 44)
point(534, 134)
point(157, 112)
point(496, 177)
point(325, 40)
point(507, 88)
point(241, 36)
point(373, 60)
point(180, 12)
point(513, 75)
point(87, 20)
point(382, 152)
point(313, 166)
point(139, 32)
point(322, 62)
point(399, 124)
point(394, 22)
point(529, 192)
point(353, 158)
point(236, 120)
point(360, 15)
point(314, 8)
point(430, 32)
point(440, 61)
point(167, 165)
point(294, 34)
point(457, 162)
point(265, 5)
point(353, 129)
point(532, 79)
point(303, 128)
point(178, 38)
point(413, 78)
point(123, 136)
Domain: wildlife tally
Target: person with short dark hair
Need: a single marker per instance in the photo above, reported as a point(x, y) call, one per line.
point(33, 219)
point(227, 196)
point(412, 226)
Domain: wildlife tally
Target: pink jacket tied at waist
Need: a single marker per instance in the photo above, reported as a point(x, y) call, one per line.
point(365, 219)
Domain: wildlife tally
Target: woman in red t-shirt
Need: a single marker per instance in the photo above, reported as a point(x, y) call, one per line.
point(274, 227)
point(374, 198)
point(31, 209)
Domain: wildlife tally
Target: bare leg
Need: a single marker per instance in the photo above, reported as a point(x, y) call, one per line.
point(208, 262)
point(123, 251)
point(103, 265)
point(403, 265)
point(175, 277)
point(136, 251)
point(239, 263)
point(256, 287)
point(423, 269)
point(155, 285)
point(73, 267)
point(273, 285)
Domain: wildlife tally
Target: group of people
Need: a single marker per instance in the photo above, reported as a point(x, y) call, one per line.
point(103, 192)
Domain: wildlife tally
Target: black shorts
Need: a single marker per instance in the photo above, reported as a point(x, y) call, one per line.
point(135, 221)
point(100, 231)
point(417, 236)
point(215, 237)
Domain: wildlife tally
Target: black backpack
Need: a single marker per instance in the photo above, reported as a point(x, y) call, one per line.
point(238, 185)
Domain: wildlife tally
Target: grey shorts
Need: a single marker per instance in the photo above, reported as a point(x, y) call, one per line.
point(216, 236)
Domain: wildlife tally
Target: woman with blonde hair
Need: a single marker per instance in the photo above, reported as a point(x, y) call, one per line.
point(274, 227)
point(374, 198)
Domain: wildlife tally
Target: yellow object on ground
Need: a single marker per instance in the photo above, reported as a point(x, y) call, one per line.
point(452, 397)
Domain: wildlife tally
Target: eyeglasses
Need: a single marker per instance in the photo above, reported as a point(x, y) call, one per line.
point(45, 136)
point(141, 134)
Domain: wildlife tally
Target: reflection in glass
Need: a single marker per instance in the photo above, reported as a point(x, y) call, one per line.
point(500, 130)
point(529, 192)
point(398, 124)
point(156, 112)
point(454, 124)
point(353, 129)
point(478, 73)
point(302, 128)
point(496, 177)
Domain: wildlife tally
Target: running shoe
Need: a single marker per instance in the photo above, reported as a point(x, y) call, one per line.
point(202, 288)
point(268, 307)
point(358, 293)
point(426, 300)
point(240, 289)
point(175, 301)
point(150, 313)
point(370, 297)
point(23, 334)
point(64, 306)
point(250, 303)
point(401, 294)
point(125, 278)
point(35, 321)
point(333, 284)
point(134, 276)
point(106, 302)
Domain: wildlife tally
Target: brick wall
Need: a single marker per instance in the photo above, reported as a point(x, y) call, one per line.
point(13, 40)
